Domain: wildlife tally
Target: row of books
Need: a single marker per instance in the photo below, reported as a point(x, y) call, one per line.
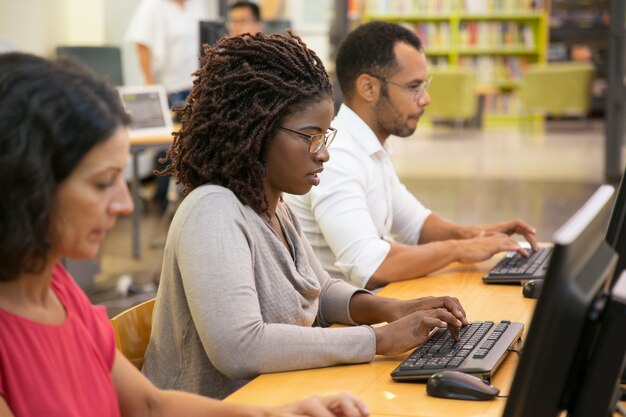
point(579, 18)
point(502, 104)
point(493, 70)
point(495, 34)
point(489, 70)
point(433, 34)
point(437, 7)
point(501, 6)
point(412, 6)
point(475, 34)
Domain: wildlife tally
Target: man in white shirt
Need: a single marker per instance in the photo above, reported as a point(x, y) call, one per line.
point(166, 34)
point(362, 222)
point(167, 37)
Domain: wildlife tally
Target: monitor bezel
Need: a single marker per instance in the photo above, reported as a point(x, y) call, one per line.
point(615, 233)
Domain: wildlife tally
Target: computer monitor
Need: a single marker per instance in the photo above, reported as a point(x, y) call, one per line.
point(210, 32)
point(615, 234)
point(565, 324)
point(103, 60)
point(599, 375)
point(276, 26)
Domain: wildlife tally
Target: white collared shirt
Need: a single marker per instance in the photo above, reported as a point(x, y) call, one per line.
point(359, 205)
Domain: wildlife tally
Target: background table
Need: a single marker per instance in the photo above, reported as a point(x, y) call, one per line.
point(137, 146)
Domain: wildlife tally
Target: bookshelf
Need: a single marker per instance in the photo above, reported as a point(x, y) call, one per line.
point(579, 31)
point(495, 38)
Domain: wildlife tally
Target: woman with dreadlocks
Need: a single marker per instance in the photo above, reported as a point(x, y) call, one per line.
point(241, 291)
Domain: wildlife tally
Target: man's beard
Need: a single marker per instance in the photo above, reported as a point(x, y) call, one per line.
point(391, 120)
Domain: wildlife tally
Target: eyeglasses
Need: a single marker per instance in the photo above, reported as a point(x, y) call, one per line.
point(316, 141)
point(419, 90)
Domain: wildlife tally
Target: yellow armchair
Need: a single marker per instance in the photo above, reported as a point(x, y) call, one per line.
point(557, 89)
point(453, 94)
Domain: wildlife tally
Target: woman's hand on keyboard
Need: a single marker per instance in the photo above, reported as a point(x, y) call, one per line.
point(413, 330)
point(401, 308)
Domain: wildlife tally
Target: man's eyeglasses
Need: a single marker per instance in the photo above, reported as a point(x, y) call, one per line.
point(315, 141)
point(418, 91)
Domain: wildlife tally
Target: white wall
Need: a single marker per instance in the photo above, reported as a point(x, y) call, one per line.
point(34, 26)
point(117, 15)
point(39, 26)
point(84, 22)
point(311, 21)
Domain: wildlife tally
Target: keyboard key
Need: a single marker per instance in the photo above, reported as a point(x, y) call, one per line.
point(480, 353)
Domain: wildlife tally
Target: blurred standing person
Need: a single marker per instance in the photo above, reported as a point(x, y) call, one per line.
point(167, 37)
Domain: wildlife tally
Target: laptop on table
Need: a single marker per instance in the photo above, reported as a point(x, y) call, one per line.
point(148, 110)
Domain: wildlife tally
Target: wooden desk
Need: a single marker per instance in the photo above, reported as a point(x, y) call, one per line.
point(372, 383)
point(138, 145)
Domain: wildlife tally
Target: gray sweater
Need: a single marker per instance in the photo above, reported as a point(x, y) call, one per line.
point(233, 303)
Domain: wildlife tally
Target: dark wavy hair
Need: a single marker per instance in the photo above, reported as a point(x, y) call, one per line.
point(369, 49)
point(244, 89)
point(51, 115)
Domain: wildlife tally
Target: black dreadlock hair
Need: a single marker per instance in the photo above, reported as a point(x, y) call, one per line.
point(244, 89)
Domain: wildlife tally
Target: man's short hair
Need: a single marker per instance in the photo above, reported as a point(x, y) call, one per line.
point(254, 8)
point(370, 49)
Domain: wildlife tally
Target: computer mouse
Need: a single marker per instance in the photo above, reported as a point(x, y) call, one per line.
point(459, 386)
point(532, 289)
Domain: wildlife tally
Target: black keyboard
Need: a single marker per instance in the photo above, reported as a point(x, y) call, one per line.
point(517, 268)
point(483, 346)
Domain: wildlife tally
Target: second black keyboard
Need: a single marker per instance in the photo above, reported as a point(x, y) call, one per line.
point(516, 268)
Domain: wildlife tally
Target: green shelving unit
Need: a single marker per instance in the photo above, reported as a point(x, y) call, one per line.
point(497, 39)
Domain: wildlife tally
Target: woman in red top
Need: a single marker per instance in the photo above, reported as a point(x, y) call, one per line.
point(63, 149)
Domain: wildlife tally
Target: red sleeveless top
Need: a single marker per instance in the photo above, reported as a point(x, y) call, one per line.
point(59, 370)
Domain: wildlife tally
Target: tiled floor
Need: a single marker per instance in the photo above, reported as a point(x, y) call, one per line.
point(469, 176)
